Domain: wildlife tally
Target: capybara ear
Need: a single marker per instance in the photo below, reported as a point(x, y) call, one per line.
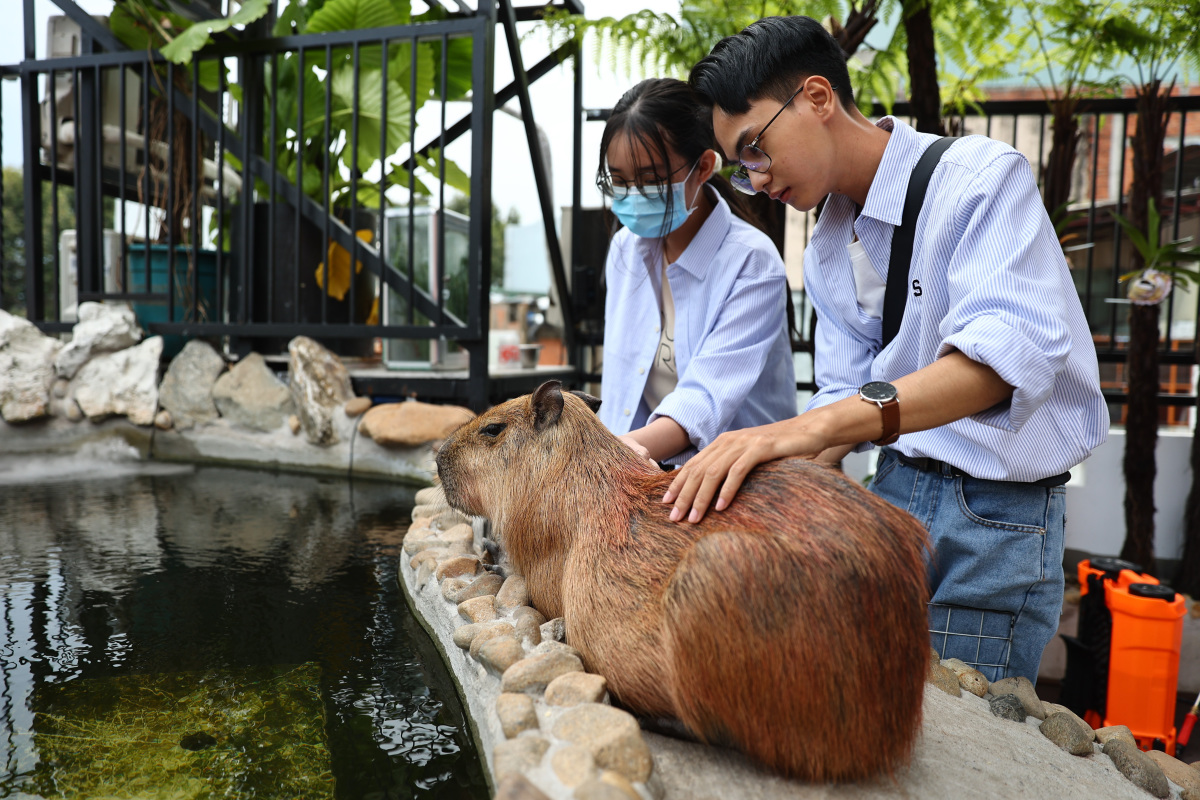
point(547, 403)
point(592, 402)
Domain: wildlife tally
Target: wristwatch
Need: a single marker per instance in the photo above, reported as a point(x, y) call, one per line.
point(883, 394)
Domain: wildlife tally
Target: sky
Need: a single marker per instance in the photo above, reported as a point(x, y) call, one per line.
point(512, 176)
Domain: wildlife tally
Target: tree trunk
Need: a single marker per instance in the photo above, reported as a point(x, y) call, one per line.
point(859, 23)
point(1141, 427)
point(1060, 164)
point(924, 97)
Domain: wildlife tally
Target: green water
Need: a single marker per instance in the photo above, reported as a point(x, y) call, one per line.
point(176, 633)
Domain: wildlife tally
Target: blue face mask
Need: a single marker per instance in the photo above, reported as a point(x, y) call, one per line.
point(646, 214)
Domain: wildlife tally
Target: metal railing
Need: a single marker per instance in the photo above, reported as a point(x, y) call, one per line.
point(273, 186)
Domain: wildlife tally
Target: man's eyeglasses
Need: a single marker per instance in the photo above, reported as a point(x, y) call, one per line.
point(751, 157)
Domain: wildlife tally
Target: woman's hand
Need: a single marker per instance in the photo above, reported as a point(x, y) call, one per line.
point(725, 463)
point(635, 446)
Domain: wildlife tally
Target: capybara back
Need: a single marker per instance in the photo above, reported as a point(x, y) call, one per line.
point(792, 625)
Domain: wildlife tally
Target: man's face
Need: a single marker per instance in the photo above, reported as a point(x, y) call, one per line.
point(792, 141)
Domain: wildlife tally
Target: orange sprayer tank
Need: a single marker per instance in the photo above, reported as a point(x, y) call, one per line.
point(1147, 631)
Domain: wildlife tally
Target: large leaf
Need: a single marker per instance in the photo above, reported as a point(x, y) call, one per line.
point(292, 20)
point(458, 67)
point(349, 15)
point(183, 46)
point(454, 175)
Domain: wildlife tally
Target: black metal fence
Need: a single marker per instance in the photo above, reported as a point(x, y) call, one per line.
point(276, 186)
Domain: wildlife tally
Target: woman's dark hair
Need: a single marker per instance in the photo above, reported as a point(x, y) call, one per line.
point(662, 113)
point(767, 60)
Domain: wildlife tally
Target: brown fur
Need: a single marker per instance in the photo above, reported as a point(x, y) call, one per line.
point(791, 625)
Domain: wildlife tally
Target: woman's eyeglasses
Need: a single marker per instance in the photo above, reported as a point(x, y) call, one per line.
point(753, 158)
point(657, 187)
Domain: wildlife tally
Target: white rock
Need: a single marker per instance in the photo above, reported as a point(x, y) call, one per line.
point(26, 368)
point(102, 328)
point(186, 389)
point(320, 385)
point(125, 382)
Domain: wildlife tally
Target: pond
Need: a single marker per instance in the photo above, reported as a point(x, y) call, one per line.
point(178, 632)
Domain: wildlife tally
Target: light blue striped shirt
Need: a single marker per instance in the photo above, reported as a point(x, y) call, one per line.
point(733, 359)
point(993, 284)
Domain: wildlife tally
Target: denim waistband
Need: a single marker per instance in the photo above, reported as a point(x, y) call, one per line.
point(926, 464)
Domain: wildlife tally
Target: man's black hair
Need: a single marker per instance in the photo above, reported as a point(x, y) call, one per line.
point(768, 59)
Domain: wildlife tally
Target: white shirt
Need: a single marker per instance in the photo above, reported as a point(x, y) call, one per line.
point(988, 278)
point(732, 355)
point(663, 377)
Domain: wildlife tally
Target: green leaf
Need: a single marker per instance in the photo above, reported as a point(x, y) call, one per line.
point(454, 175)
point(349, 15)
point(292, 20)
point(181, 49)
point(458, 67)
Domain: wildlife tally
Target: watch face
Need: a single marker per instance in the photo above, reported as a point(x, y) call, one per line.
point(878, 391)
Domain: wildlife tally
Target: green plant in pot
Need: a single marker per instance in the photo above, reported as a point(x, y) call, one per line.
point(318, 151)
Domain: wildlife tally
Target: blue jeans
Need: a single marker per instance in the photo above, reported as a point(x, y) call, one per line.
point(997, 547)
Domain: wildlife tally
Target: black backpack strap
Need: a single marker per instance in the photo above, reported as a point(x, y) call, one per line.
point(896, 294)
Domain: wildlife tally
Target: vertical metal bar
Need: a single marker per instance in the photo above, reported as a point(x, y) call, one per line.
point(52, 85)
point(441, 217)
point(354, 225)
point(576, 358)
point(1014, 141)
point(1091, 217)
point(412, 192)
point(296, 315)
point(195, 167)
point(989, 125)
point(98, 192)
point(1119, 206)
point(170, 201)
point(381, 292)
point(87, 209)
point(328, 157)
point(1179, 173)
point(479, 276)
point(272, 188)
point(219, 311)
point(1041, 177)
point(123, 72)
point(147, 205)
point(31, 134)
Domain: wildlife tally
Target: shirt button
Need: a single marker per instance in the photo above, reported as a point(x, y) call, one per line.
point(656, 329)
point(627, 412)
point(641, 371)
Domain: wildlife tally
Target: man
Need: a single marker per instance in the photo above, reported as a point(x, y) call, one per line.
point(992, 372)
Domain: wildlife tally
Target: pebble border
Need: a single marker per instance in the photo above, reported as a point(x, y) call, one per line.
point(544, 726)
point(1016, 699)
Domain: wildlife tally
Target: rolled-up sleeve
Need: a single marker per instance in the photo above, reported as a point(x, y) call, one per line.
point(1005, 290)
point(727, 362)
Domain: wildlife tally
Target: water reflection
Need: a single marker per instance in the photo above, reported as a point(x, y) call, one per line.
point(112, 573)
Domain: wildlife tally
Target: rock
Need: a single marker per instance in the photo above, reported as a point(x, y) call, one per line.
point(186, 389)
point(430, 495)
point(486, 583)
point(528, 631)
point(944, 679)
point(1137, 767)
point(448, 519)
point(125, 382)
point(528, 614)
point(74, 412)
point(551, 646)
point(1189, 794)
point(599, 789)
point(499, 653)
point(457, 567)
point(538, 670)
point(250, 395)
point(163, 421)
point(463, 634)
point(461, 532)
point(518, 755)
point(517, 787)
point(516, 713)
point(1064, 731)
point(973, 681)
point(1119, 732)
point(572, 763)
point(575, 688)
point(1055, 708)
point(294, 424)
point(490, 631)
point(479, 609)
point(356, 406)
point(1023, 689)
point(513, 594)
point(611, 735)
point(1175, 770)
point(102, 328)
point(61, 387)
point(555, 630)
point(1008, 706)
point(451, 586)
point(319, 384)
point(424, 574)
point(412, 423)
point(26, 369)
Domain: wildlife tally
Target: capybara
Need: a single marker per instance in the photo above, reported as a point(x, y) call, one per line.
point(791, 626)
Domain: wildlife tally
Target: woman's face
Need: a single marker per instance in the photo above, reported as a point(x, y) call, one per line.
point(632, 165)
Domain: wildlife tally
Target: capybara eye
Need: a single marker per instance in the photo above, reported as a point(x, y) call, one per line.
point(492, 430)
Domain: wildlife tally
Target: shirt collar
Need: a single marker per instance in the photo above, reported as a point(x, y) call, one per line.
point(698, 254)
point(885, 198)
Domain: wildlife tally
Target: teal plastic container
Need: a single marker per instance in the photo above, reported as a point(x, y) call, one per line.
point(148, 312)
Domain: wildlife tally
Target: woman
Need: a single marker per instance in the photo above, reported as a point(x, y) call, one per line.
point(695, 334)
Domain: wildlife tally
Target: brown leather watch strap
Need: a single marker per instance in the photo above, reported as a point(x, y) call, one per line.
point(891, 422)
